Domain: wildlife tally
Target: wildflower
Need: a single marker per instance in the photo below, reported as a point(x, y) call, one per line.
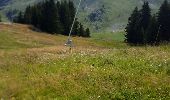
point(98, 96)
point(165, 61)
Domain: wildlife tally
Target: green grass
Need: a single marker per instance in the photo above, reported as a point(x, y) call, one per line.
point(112, 36)
point(99, 68)
point(6, 42)
point(131, 74)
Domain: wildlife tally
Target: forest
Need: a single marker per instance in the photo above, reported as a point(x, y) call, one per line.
point(52, 17)
point(145, 28)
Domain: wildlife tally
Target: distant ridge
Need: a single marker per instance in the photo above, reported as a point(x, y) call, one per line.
point(113, 17)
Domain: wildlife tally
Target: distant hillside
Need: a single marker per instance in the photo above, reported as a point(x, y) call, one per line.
point(105, 15)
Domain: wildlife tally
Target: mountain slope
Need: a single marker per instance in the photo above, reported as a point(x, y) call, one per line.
point(100, 14)
point(14, 36)
point(35, 66)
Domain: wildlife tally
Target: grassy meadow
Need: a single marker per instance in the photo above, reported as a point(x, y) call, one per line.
point(34, 65)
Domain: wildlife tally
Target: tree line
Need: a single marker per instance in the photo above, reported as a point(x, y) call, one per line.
point(145, 28)
point(53, 17)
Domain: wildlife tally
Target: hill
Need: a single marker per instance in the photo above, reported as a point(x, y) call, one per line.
point(102, 15)
point(34, 65)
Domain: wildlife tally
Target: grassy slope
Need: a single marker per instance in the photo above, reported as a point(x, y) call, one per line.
point(34, 65)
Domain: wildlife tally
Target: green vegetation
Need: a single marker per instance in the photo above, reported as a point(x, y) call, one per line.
point(116, 11)
point(53, 18)
point(37, 65)
point(112, 36)
point(41, 68)
point(143, 28)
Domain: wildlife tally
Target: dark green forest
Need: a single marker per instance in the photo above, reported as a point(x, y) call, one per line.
point(53, 17)
point(145, 28)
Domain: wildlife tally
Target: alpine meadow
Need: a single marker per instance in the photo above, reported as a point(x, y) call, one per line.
point(84, 49)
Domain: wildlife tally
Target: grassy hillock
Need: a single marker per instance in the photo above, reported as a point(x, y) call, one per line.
point(34, 65)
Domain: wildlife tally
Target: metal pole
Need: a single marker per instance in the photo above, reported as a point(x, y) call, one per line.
point(74, 20)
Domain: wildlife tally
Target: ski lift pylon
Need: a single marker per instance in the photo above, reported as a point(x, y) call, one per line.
point(69, 40)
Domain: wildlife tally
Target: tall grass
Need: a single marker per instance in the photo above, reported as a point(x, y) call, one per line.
point(133, 73)
point(37, 66)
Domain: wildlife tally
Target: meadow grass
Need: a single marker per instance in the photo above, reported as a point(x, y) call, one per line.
point(95, 70)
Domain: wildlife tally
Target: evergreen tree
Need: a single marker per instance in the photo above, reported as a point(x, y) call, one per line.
point(36, 16)
point(87, 32)
point(144, 22)
point(28, 15)
point(72, 10)
point(50, 19)
point(132, 27)
point(153, 31)
point(164, 21)
point(65, 17)
point(136, 30)
point(20, 18)
point(81, 31)
point(75, 28)
point(145, 16)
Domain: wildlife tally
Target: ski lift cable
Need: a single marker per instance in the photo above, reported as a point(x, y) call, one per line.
point(11, 12)
point(69, 37)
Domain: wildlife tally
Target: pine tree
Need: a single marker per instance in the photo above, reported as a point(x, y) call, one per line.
point(132, 27)
point(50, 18)
point(145, 16)
point(75, 28)
point(81, 31)
point(72, 9)
point(164, 21)
point(144, 22)
point(36, 17)
point(65, 17)
point(136, 30)
point(28, 15)
point(87, 32)
point(153, 31)
point(20, 18)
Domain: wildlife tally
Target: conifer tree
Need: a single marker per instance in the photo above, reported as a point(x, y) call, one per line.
point(65, 17)
point(136, 30)
point(81, 31)
point(144, 22)
point(20, 18)
point(75, 28)
point(28, 15)
point(72, 9)
point(164, 21)
point(145, 16)
point(132, 27)
point(36, 16)
point(153, 31)
point(87, 32)
point(50, 18)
